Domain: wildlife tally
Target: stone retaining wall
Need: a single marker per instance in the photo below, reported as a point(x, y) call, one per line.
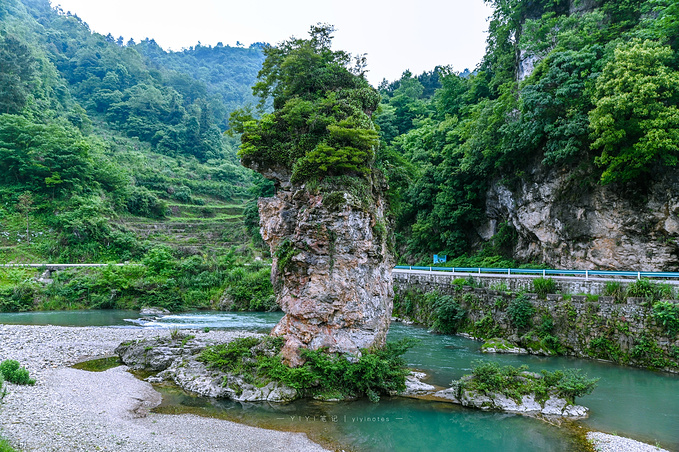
point(564, 284)
point(588, 327)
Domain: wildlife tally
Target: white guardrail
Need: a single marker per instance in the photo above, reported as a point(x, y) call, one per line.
point(462, 271)
point(534, 272)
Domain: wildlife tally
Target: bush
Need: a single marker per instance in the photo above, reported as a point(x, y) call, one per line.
point(515, 382)
point(614, 289)
point(448, 315)
point(544, 286)
point(572, 383)
point(667, 314)
point(183, 194)
point(17, 298)
point(520, 312)
point(160, 260)
point(140, 201)
point(259, 361)
point(12, 372)
point(250, 289)
point(641, 289)
point(490, 377)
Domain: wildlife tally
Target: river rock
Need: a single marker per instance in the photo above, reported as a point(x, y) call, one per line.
point(462, 393)
point(176, 358)
point(451, 394)
point(331, 267)
point(553, 406)
point(415, 386)
point(153, 311)
point(498, 345)
point(157, 354)
point(194, 376)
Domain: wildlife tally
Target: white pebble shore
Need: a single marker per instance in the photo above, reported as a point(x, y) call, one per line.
point(603, 442)
point(75, 410)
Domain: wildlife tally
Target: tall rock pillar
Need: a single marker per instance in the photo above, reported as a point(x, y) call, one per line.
point(331, 267)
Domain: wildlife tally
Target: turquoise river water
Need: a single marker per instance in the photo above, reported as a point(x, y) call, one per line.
point(631, 402)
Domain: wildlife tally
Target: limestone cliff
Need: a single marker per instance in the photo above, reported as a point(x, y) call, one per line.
point(331, 266)
point(568, 222)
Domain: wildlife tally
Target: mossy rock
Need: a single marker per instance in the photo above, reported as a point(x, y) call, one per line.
point(499, 345)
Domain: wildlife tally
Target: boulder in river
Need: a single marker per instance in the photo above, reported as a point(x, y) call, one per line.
point(153, 311)
point(499, 345)
point(176, 359)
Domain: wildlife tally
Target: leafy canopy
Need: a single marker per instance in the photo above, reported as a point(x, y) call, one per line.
point(321, 124)
point(636, 119)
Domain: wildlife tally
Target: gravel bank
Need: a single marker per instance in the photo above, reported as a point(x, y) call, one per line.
point(75, 410)
point(603, 442)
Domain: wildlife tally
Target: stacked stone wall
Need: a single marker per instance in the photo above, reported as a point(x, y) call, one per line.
point(586, 326)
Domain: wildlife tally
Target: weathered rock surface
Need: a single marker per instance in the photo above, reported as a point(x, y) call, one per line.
point(157, 354)
point(565, 226)
point(465, 393)
point(499, 345)
point(553, 406)
point(459, 394)
point(415, 386)
point(331, 267)
point(194, 376)
point(178, 362)
point(153, 311)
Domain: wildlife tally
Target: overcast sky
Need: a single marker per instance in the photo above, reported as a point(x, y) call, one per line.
point(397, 35)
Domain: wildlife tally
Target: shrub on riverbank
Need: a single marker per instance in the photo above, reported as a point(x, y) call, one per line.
point(12, 371)
point(520, 312)
point(516, 382)
point(323, 375)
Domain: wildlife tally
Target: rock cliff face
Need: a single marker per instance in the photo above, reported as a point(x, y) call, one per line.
point(603, 227)
point(331, 267)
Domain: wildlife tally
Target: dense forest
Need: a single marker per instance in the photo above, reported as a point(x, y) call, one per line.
point(588, 88)
point(113, 150)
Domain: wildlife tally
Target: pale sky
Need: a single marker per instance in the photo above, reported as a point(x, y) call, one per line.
point(396, 35)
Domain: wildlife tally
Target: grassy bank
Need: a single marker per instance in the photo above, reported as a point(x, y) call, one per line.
point(162, 279)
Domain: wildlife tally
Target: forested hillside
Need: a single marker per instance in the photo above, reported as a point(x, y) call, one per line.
point(584, 93)
point(560, 148)
point(115, 151)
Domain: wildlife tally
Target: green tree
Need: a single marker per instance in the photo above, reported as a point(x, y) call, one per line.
point(17, 68)
point(636, 119)
point(321, 124)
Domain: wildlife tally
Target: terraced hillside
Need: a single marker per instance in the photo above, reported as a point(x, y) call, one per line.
point(212, 228)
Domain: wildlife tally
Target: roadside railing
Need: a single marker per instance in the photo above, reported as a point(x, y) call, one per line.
point(462, 271)
point(586, 274)
point(61, 265)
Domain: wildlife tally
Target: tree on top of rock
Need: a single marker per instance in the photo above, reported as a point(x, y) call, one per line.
point(321, 121)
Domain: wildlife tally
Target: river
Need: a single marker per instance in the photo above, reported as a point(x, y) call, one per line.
point(631, 402)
